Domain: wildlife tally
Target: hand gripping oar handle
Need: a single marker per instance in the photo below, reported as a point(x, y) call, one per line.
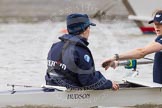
point(138, 62)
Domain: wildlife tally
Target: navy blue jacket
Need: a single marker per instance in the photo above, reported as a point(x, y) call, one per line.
point(73, 66)
point(157, 68)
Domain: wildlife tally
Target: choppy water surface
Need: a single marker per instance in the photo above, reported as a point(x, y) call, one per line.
point(24, 48)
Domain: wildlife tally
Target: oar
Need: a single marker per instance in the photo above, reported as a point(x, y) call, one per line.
point(42, 86)
point(148, 58)
point(101, 12)
point(134, 71)
point(138, 62)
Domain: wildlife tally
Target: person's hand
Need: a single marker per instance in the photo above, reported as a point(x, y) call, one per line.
point(109, 63)
point(114, 64)
point(115, 86)
point(106, 64)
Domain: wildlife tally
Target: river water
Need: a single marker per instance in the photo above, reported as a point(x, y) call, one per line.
point(24, 48)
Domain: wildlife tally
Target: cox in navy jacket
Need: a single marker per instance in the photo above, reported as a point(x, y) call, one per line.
point(70, 64)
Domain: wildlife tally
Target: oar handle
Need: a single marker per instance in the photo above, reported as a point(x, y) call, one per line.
point(138, 62)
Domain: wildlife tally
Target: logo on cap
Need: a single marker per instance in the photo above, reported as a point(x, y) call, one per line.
point(158, 15)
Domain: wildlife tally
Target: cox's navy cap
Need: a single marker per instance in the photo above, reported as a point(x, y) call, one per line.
point(77, 23)
point(157, 18)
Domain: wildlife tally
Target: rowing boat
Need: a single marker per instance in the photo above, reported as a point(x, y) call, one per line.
point(133, 91)
point(130, 94)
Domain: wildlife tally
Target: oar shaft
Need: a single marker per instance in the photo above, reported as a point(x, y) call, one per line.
point(149, 58)
point(22, 85)
point(138, 62)
point(42, 86)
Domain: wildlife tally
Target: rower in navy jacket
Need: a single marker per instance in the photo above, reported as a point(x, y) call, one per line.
point(70, 62)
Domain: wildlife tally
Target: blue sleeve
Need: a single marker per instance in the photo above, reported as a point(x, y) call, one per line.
point(159, 39)
point(90, 79)
point(94, 80)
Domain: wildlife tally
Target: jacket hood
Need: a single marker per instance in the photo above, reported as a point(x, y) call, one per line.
point(74, 38)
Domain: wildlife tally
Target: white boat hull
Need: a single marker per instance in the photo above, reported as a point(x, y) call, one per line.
point(84, 99)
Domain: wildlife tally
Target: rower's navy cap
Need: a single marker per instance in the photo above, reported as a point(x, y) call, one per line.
point(157, 18)
point(77, 23)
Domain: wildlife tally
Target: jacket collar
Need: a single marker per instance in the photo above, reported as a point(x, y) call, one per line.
point(75, 38)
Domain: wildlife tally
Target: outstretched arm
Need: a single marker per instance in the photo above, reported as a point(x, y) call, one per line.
point(133, 54)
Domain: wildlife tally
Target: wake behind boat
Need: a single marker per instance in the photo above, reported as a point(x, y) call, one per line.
point(132, 92)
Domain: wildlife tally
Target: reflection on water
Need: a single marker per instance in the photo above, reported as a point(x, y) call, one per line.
point(24, 48)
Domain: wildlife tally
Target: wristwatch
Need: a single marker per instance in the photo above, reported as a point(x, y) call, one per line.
point(116, 57)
